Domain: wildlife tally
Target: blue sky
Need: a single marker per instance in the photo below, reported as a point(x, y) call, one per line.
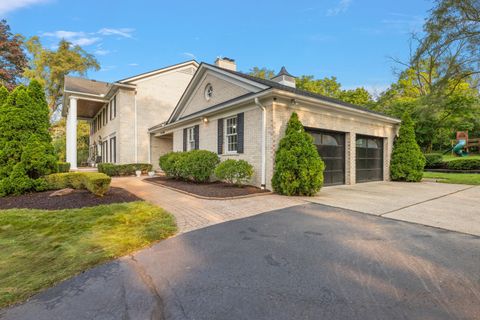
point(349, 39)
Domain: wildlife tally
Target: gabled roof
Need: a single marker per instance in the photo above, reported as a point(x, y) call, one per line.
point(159, 71)
point(82, 85)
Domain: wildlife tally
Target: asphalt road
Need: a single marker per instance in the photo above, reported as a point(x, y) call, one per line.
point(305, 262)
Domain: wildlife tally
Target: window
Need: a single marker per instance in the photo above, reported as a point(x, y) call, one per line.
point(231, 134)
point(113, 150)
point(208, 92)
point(113, 107)
point(191, 138)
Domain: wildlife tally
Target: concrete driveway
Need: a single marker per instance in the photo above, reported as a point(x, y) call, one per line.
point(305, 262)
point(449, 206)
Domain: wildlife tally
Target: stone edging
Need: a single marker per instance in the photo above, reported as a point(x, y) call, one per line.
point(208, 198)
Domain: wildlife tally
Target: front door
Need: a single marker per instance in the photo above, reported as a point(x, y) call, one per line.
point(331, 147)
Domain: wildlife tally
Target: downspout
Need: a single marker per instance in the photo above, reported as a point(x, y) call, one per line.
point(135, 126)
point(264, 137)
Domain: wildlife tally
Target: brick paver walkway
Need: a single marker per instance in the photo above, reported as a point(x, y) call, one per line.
point(194, 213)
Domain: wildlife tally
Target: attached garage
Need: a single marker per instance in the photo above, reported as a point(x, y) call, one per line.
point(331, 147)
point(369, 158)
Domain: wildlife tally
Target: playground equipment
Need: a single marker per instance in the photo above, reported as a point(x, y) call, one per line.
point(462, 145)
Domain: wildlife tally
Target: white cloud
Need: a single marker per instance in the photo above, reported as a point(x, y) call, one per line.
point(189, 55)
point(107, 68)
point(403, 23)
point(101, 52)
point(133, 64)
point(75, 37)
point(122, 32)
point(12, 5)
point(341, 7)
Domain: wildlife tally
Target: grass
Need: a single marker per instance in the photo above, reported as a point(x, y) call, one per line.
point(450, 157)
point(459, 178)
point(41, 248)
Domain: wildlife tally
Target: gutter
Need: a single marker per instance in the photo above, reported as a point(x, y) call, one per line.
point(264, 137)
point(135, 128)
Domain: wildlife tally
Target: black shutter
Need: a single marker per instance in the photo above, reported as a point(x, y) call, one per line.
point(196, 132)
point(240, 134)
point(185, 139)
point(220, 136)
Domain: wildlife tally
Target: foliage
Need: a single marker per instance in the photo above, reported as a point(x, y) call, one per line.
point(95, 182)
point(12, 57)
point(263, 73)
point(407, 161)
point(58, 133)
point(129, 169)
point(463, 164)
point(457, 178)
point(196, 165)
point(233, 171)
point(63, 167)
point(298, 167)
point(433, 160)
point(43, 247)
point(170, 163)
point(51, 66)
point(26, 151)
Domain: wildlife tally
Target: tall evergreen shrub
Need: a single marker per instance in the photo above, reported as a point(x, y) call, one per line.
point(298, 167)
point(408, 160)
point(26, 151)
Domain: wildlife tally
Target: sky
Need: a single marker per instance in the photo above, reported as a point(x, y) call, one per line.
point(353, 40)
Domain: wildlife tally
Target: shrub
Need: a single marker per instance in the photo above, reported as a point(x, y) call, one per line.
point(234, 171)
point(63, 167)
point(96, 183)
point(111, 169)
point(170, 163)
point(408, 161)
point(26, 150)
point(298, 166)
point(463, 164)
point(196, 165)
point(433, 160)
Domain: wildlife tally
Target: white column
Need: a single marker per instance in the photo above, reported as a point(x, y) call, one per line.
point(72, 134)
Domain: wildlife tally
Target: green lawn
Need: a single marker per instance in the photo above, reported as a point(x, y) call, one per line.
point(460, 178)
point(449, 157)
point(40, 248)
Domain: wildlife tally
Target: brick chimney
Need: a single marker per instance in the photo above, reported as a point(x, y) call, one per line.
point(226, 63)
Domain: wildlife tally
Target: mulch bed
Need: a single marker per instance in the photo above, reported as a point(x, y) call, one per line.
point(75, 199)
point(212, 189)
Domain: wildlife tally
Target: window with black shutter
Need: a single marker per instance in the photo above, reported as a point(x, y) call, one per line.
point(240, 132)
point(220, 136)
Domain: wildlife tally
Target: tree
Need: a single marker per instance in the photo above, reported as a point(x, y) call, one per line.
point(298, 166)
point(358, 96)
point(50, 67)
point(12, 57)
point(263, 73)
point(407, 161)
point(26, 151)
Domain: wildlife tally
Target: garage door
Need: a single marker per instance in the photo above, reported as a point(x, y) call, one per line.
point(331, 147)
point(369, 161)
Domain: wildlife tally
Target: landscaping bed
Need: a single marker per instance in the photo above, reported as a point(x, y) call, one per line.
point(210, 189)
point(74, 199)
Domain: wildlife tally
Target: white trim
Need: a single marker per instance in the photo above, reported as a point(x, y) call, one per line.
point(226, 135)
point(264, 143)
point(135, 128)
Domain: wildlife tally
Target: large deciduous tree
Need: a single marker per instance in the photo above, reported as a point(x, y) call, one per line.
point(13, 60)
point(49, 67)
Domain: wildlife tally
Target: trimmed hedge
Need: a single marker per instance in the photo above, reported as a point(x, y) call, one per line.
point(463, 164)
point(112, 170)
point(233, 171)
point(433, 160)
point(63, 167)
point(195, 165)
point(96, 183)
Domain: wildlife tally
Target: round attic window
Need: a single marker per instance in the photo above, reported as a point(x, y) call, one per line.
point(208, 91)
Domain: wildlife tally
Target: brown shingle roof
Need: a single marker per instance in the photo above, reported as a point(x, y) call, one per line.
point(86, 86)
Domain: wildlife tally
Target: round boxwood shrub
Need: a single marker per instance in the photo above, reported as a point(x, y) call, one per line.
point(408, 161)
point(233, 171)
point(170, 163)
point(198, 165)
point(298, 166)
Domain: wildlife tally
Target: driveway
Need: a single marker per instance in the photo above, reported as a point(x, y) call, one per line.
point(448, 206)
point(305, 262)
